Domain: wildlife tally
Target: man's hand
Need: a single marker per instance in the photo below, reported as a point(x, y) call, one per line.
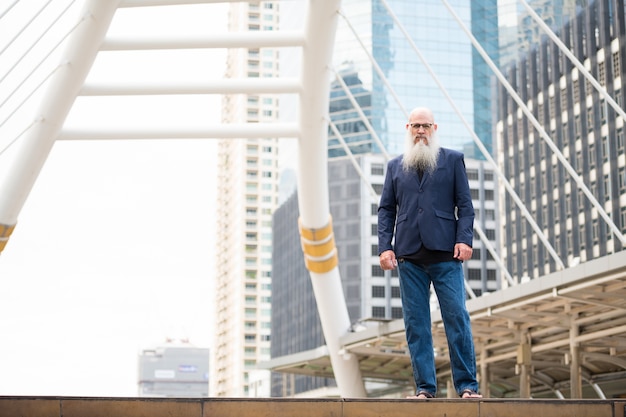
point(462, 252)
point(388, 260)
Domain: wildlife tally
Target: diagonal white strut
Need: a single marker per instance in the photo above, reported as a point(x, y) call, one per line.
point(315, 222)
point(64, 86)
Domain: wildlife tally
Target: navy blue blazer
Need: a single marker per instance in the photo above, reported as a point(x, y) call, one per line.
point(436, 212)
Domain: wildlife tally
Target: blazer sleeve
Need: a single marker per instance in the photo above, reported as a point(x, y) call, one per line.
point(465, 208)
point(387, 210)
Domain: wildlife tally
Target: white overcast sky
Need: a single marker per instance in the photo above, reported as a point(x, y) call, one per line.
point(113, 250)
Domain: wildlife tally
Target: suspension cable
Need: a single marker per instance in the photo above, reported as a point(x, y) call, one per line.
point(358, 109)
point(45, 56)
point(19, 33)
point(379, 71)
point(9, 7)
point(355, 164)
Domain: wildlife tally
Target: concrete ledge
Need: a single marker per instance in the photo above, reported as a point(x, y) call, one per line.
point(283, 407)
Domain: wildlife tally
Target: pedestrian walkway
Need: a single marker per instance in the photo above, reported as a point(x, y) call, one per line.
point(232, 407)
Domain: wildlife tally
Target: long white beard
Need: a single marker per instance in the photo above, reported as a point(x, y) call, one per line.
point(420, 156)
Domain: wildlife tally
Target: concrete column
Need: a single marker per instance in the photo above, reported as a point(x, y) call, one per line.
point(576, 388)
point(484, 373)
point(524, 363)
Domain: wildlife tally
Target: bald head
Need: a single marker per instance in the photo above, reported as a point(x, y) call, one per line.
point(421, 113)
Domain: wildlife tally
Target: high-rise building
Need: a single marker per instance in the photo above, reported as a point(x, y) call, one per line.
point(442, 43)
point(247, 193)
point(583, 127)
point(482, 271)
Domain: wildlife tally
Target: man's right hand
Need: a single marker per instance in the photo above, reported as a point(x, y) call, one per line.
point(388, 260)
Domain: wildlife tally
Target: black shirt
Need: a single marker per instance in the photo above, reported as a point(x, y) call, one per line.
point(426, 256)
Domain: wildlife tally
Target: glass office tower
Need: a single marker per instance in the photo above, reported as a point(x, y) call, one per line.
point(445, 48)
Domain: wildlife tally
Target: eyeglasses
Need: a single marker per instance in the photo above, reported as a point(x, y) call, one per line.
point(426, 126)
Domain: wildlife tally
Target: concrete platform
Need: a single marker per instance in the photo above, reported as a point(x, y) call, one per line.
point(235, 407)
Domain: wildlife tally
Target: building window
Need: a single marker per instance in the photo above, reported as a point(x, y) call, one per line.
point(378, 312)
point(395, 292)
point(620, 141)
point(616, 65)
point(396, 312)
point(377, 271)
point(374, 250)
point(590, 120)
point(377, 169)
point(378, 291)
point(473, 274)
point(581, 237)
point(601, 74)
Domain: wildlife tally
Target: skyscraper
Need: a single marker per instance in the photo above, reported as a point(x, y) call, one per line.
point(247, 193)
point(587, 131)
point(442, 43)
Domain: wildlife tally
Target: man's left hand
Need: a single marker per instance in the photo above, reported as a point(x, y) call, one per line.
point(462, 252)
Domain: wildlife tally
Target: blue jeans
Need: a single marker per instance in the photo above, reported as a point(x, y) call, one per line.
point(447, 279)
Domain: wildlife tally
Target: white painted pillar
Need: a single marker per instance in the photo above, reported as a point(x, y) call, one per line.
point(315, 222)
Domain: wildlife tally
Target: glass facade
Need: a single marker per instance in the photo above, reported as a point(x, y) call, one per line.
point(444, 47)
point(584, 128)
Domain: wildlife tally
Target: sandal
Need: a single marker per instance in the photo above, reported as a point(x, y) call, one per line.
point(469, 393)
point(422, 395)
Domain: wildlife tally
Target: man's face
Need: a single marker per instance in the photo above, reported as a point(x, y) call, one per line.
point(421, 128)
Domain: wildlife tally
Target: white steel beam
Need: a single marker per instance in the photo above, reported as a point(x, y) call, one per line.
point(258, 39)
point(223, 86)
point(315, 221)
point(225, 131)
point(150, 3)
point(64, 86)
